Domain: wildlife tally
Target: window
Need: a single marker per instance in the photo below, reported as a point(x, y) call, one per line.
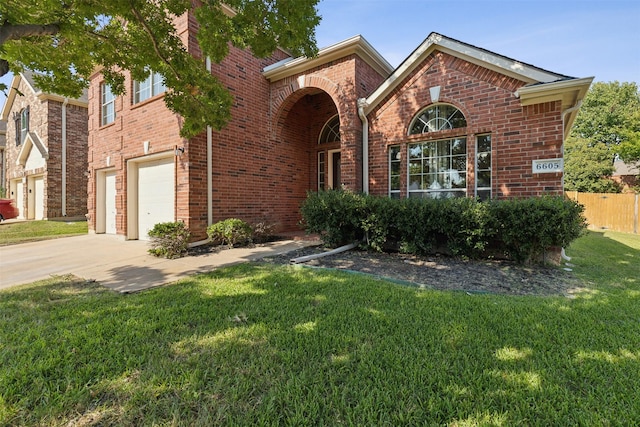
point(438, 169)
point(394, 172)
point(151, 86)
point(330, 131)
point(321, 171)
point(108, 105)
point(483, 167)
point(21, 121)
point(437, 117)
point(328, 156)
point(24, 124)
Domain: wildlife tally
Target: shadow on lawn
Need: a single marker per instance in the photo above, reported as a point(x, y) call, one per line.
point(253, 344)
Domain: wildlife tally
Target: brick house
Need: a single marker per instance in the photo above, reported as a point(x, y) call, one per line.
point(451, 120)
point(45, 153)
point(627, 175)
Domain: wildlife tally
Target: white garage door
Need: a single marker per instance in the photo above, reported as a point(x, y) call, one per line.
point(155, 194)
point(110, 203)
point(20, 199)
point(38, 188)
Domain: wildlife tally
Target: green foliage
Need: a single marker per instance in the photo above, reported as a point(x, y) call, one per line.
point(75, 38)
point(335, 215)
point(520, 229)
point(526, 228)
point(608, 124)
point(610, 114)
point(231, 232)
point(169, 239)
point(588, 167)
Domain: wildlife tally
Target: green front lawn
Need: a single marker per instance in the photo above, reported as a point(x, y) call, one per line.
point(29, 231)
point(265, 345)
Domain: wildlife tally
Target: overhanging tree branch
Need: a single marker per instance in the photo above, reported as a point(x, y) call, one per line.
point(16, 32)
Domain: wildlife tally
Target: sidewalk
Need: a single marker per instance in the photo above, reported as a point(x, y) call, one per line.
point(124, 266)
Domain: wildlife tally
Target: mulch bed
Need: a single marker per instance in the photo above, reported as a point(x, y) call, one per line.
point(447, 273)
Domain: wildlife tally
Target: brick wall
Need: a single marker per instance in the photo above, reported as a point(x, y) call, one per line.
point(45, 119)
point(519, 134)
point(344, 81)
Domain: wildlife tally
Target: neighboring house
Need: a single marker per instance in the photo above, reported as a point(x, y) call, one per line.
point(46, 151)
point(3, 145)
point(452, 120)
point(627, 175)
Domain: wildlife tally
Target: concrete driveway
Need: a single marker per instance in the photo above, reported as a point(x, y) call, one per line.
point(124, 266)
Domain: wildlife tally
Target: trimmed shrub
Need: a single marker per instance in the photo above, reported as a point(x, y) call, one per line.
point(169, 239)
point(231, 232)
point(526, 228)
point(520, 229)
point(335, 215)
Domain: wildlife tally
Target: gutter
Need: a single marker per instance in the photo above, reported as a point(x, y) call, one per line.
point(362, 104)
point(64, 157)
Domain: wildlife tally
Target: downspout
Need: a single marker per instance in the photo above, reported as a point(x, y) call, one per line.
point(564, 114)
point(64, 157)
point(209, 173)
point(209, 163)
point(362, 103)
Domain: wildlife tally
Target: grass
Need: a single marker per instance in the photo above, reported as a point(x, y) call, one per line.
point(28, 231)
point(266, 345)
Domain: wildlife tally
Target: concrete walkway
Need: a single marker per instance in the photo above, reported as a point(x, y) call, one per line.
point(124, 266)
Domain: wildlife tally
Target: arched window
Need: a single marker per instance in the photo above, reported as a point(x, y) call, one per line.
point(437, 117)
point(329, 155)
point(330, 131)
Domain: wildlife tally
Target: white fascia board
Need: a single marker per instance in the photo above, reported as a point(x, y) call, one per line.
point(15, 82)
point(80, 102)
point(483, 58)
point(354, 45)
point(568, 91)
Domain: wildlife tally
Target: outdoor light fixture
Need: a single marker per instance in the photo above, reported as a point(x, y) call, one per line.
point(179, 151)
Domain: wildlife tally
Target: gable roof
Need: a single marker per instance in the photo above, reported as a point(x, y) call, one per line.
point(541, 85)
point(32, 140)
point(28, 77)
point(623, 169)
point(355, 45)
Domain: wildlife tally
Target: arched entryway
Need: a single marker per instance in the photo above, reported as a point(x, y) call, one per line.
point(308, 126)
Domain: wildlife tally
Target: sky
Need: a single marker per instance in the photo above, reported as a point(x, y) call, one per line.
point(578, 38)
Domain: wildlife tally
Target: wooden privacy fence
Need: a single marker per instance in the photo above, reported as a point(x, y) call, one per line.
point(609, 211)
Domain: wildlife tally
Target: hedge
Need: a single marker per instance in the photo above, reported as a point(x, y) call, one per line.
point(518, 229)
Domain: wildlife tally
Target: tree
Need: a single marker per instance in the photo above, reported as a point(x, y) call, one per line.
point(608, 125)
point(588, 167)
point(66, 41)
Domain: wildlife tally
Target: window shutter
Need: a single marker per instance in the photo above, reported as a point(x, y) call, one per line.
point(18, 130)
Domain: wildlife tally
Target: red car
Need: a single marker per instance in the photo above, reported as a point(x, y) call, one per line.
point(7, 209)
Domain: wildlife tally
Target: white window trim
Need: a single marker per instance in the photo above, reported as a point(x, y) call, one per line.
point(398, 191)
point(475, 167)
point(154, 86)
point(105, 117)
